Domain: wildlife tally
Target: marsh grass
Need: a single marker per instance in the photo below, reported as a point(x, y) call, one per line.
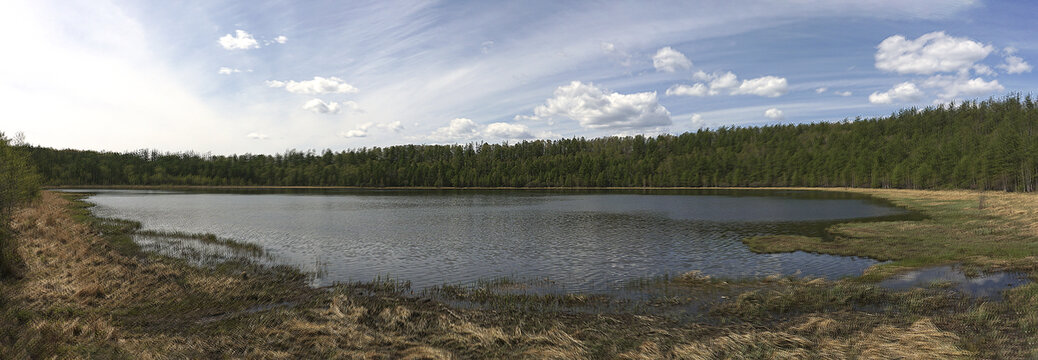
point(206, 238)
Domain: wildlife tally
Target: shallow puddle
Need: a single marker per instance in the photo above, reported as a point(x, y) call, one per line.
point(983, 285)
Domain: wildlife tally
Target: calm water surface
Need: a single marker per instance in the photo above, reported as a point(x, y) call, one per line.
point(582, 241)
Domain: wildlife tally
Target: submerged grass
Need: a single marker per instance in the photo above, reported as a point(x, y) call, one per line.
point(90, 291)
point(240, 246)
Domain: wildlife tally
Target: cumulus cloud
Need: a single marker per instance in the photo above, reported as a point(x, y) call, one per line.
point(355, 133)
point(596, 108)
point(394, 126)
point(502, 130)
point(320, 107)
point(697, 89)
point(318, 85)
point(903, 92)
point(463, 129)
point(1013, 64)
point(242, 40)
point(952, 87)
point(718, 83)
point(458, 129)
point(821, 90)
point(774, 114)
point(281, 39)
point(363, 130)
point(227, 71)
point(257, 136)
point(697, 121)
point(768, 86)
point(669, 60)
point(722, 82)
point(982, 69)
point(930, 53)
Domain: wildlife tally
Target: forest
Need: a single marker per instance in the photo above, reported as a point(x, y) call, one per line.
point(988, 144)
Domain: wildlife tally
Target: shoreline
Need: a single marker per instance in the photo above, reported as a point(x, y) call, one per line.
point(223, 311)
point(279, 187)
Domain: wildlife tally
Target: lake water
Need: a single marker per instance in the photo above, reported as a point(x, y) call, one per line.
point(580, 241)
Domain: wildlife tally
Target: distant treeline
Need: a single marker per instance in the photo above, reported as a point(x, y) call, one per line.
point(974, 145)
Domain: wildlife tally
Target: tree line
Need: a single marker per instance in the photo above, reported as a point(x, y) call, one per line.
point(987, 144)
point(18, 183)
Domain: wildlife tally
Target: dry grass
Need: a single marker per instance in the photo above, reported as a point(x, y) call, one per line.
point(920, 340)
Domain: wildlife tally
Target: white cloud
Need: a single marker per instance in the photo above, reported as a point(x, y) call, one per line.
point(722, 82)
point(769, 86)
point(608, 47)
point(320, 107)
point(507, 131)
point(240, 41)
point(394, 126)
point(774, 114)
point(903, 92)
point(1013, 64)
point(843, 93)
point(355, 133)
point(362, 130)
point(257, 136)
point(281, 39)
point(463, 129)
point(486, 46)
point(718, 82)
point(318, 85)
point(952, 87)
point(930, 53)
point(697, 121)
point(670, 60)
point(697, 89)
point(821, 90)
point(227, 71)
point(596, 108)
point(458, 129)
point(982, 69)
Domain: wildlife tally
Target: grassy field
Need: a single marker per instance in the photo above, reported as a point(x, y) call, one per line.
point(88, 290)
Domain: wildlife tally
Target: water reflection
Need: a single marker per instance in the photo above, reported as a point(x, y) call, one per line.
point(986, 285)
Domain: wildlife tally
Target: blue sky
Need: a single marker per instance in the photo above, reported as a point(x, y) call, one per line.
point(265, 76)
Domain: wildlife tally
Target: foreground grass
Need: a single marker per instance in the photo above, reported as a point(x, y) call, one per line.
point(88, 291)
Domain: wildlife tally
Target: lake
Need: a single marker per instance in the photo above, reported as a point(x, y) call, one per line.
point(582, 241)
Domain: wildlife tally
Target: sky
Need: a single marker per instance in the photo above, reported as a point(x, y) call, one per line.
point(255, 77)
